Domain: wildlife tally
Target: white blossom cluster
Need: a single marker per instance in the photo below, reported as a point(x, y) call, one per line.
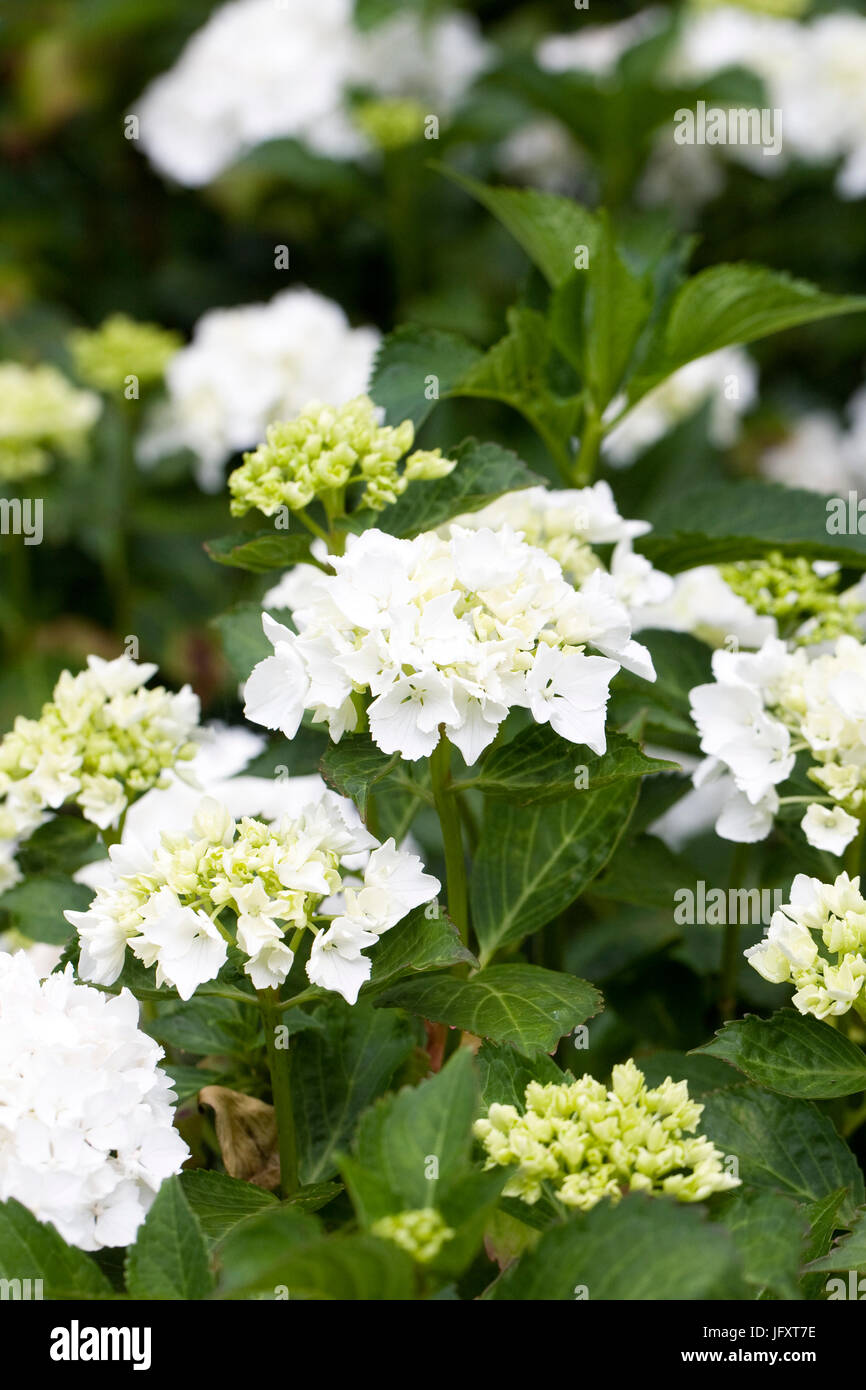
point(817, 941)
point(765, 707)
point(727, 380)
point(568, 523)
point(101, 741)
point(266, 69)
point(821, 452)
point(248, 366)
point(812, 71)
point(445, 632)
point(702, 603)
point(86, 1133)
point(166, 903)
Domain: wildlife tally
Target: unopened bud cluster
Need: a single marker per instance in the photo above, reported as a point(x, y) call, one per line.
point(106, 356)
point(41, 413)
point(586, 1143)
point(421, 1233)
point(802, 596)
point(325, 450)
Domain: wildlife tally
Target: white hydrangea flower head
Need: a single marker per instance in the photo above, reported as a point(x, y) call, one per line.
point(700, 602)
point(268, 69)
point(821, 452)
point(567, 523)
point(86, 1132)
point(249, 366)
point(817, 942)
point(812, 72)
point(588, 1143)
point(761, 710)
point(727, 379)
point(303, 873)
point(446, 632)
point(101, 741)
point(814, 455)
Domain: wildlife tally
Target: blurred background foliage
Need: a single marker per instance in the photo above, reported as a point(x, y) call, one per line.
point(88, 227)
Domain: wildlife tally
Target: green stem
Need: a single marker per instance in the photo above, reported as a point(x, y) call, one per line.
point(279, 1065)
point(452, 839)
point(587, 459)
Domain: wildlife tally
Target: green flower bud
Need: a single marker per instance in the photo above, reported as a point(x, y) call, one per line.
point(421, 1232)
point(425, 465)
point(120, 347)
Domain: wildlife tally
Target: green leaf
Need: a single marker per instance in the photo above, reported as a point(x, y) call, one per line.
point(729, 304)
point(515, 372)
point(537, 765)
point(60, 846)
point(188, 1081)
point(783, 1144)
point(243, 637)
point(266, 550)
point(742, 521)
point(402, 1133)
point(704, 1074)
point(532, 863)
point(597, 316)
point(661, 711)
point(418, 943)
point(407, 360)
point(506, 1073)
point(849, 1252)
point(36, 906)
point(353, 1268)
point(260, 1241)
point(337, 1073)
point(483, 473)
point(354, 765)
point(769, 1231)
point(645, 872)
point(824, 1221)
point(547, 226)
point(210, 1027)
point(169, 1259)
point(220, 1202)
point(31, 1250)
point(521, 1004)
point(795, 1055)
point(645, 1248)
point(278, 1254)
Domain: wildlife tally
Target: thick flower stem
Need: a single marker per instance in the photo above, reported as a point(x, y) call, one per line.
point(587, 459)
point(449, 819)
point(279, 1065)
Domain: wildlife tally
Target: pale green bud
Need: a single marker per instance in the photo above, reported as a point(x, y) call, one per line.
point(425, 465)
